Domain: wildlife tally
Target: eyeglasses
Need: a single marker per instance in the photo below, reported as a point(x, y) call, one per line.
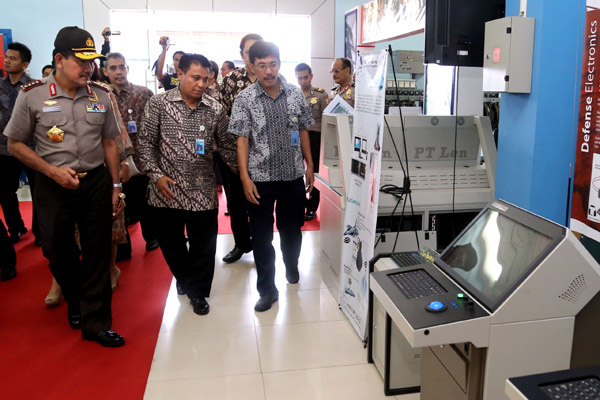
point(337, 70)
point(115, 67)
point(274, 66)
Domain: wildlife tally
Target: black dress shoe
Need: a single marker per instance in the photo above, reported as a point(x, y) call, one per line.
point(107, 338)
point(180, 288)
point(200, 305)
point(8, 273)
point(309, 216)
point(293, 278)
point(235, 255)
point(75, 321)
point(265, 302)
point(14, 238)
point(152, 245)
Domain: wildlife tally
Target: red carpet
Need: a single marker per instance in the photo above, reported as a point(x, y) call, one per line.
point(41, 357)
point(225, 225)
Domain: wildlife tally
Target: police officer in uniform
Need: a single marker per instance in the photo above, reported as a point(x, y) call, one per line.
point(317, 101)
point(77, 159)
point(341, 72)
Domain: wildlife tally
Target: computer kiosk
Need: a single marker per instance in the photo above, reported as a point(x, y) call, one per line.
point(430, 146)
point(514, 294)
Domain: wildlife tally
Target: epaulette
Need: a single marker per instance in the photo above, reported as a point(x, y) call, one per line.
point(32, 84)
point(320, 90)
point(100, 85)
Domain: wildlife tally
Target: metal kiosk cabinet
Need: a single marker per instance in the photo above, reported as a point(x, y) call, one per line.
point(396, 361)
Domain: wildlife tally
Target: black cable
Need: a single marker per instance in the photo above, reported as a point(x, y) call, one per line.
point(452, 225)
point(455, 141)
point(406, 182)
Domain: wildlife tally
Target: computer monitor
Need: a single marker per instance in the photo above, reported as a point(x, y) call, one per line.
point(498, 250)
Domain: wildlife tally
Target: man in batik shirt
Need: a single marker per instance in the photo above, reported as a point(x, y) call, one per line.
point(179, 129)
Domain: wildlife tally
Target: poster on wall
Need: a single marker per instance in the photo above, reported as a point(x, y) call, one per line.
point(5, 40)
point(362, 192)
point(585, 210)
point(392, 19)
point(351, 35)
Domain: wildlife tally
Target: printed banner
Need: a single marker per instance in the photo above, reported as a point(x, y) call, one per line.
point(391, 19)
point(585, 210)
point(362, 192)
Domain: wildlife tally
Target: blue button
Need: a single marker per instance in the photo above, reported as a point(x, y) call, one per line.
point(436, 305)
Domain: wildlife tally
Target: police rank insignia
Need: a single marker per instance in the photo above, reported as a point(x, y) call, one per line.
point(313, 100)
point(56, 134)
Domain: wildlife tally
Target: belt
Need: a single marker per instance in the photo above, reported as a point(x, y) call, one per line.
point(83, 174)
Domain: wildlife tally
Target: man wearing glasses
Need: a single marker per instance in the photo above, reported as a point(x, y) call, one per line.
point(270, 119)
point(131, 100)
point(341, 72)
point(233, 84)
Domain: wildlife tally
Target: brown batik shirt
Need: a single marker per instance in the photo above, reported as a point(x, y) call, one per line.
point(236, 81)
point(131, 102)
point(177, 142)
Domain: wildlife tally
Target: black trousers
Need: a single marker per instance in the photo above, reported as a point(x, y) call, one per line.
point(136, 190)
point(287, 198)
point(194, 268)
point(10, 171)
point(237, 205)
point(85, 280)
point(314, 197)
point(10, 168)
point(8, 257)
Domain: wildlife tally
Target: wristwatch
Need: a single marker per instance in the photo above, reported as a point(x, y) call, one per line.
point(118, 185)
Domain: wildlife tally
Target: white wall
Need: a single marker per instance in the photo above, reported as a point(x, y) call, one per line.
point(96, 16)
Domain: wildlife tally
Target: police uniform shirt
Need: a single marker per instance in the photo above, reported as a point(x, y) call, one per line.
point(346, 92)
point(43, 110)
point(317, 101)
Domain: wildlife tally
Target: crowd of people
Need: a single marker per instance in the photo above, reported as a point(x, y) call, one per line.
point(102, 156)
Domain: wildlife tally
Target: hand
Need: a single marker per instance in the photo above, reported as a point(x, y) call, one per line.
point(164, 42)
point(104, 35)
point(163, 187)
point(124, 174)
point(65, 177)
point(250, 190)
point(118, 203)
point(310, 180)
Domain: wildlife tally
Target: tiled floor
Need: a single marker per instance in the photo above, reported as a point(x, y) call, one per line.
point(303, 348)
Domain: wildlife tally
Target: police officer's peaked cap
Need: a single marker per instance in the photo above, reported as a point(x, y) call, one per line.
point(77, 40)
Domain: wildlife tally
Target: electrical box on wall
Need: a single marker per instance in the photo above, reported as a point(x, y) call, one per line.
point(409, 62)
point(508, 55)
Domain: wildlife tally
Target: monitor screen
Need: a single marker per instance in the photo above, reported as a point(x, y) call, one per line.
point(494, 255)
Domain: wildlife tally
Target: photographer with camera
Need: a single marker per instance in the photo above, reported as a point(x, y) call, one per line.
point(169, 81)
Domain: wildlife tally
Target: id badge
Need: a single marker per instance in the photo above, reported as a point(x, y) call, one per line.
point(131, 127)
point(199, 146)
point(295, 138)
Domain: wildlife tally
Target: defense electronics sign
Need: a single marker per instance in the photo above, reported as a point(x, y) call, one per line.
point(585, 212)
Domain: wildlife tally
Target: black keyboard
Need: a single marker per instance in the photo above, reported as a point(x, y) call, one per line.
point(588, 388)
point(406, 259)
point(417, 283)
